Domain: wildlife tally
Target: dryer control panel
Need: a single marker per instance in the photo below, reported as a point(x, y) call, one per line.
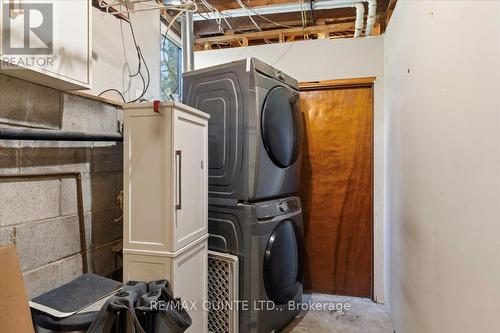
point(278, 207)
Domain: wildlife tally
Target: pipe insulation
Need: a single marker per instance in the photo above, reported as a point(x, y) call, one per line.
point(297, 7)
point(275, 9)
point(360, 18)
point(372, 16)
point(13, 133)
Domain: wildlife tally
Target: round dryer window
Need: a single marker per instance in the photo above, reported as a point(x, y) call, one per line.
point(283, 263)
point(282, 126)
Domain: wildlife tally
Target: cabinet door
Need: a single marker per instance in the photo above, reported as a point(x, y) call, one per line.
point(189, 279)
point(62, 28)
point(191, 177)
point(71, 39)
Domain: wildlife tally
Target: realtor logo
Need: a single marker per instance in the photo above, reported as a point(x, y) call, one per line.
point(27, 28)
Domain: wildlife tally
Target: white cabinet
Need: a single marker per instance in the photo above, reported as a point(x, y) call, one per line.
point(186, 272)
point(48, 42)
point(165, 177)
point(166, 200)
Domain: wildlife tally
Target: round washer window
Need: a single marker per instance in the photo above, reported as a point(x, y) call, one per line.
point(282, 126)
point(283, 263)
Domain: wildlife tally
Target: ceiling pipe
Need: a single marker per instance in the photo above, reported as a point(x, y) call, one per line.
point(187, 35)
point(360, 18)
point(35, 134)
point(297, 7)
point(372, 16)
point(275, 9)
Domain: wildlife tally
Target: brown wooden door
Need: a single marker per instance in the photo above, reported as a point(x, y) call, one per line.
point(336, 190)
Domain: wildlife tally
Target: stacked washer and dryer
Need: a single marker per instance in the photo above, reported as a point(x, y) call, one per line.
point(255, 143)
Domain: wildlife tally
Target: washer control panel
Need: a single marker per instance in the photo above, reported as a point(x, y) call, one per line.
point(278, 207)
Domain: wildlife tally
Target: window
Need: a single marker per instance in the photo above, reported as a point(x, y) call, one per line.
point(170, 67)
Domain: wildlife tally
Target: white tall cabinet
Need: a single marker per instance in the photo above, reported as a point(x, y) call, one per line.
point(61, 26)
point(166, 200)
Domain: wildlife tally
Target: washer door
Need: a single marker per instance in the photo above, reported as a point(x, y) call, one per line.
point(281, 125)
point(283, 262)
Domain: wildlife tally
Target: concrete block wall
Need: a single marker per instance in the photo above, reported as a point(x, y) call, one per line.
point(40, 216)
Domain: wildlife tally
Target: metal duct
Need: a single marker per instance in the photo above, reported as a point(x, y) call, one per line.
point(187, 35)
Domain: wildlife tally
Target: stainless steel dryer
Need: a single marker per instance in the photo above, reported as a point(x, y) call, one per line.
point(267, 237)
point(255, 129)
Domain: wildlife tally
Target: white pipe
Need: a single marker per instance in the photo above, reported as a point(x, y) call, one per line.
point(372, 16)
point(146, 5)
point(360, 18)
point(297, 7)
point(276, 9)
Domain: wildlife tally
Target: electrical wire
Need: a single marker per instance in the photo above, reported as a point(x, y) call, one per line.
point(242, 5)
point(251, 9)
point(311, 6)
point(169, 26)
point(146, 81)
point(115, 90)
point(216, 13)
point(103, 4)
point(140, 58)
point(303, 14)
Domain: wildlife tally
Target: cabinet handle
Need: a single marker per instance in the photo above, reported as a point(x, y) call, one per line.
point(178, 199)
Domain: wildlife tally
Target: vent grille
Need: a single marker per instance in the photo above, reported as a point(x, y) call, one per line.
point(222, 292)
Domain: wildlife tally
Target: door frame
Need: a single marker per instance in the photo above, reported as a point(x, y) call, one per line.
point(377, 170)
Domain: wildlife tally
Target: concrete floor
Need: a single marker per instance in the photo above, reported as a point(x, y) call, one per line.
point(363, 316)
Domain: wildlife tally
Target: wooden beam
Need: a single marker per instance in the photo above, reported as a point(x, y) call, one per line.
point(324, 34)
point(328, 16)
point(279, 32)
point(388, 14)
point(316, 85)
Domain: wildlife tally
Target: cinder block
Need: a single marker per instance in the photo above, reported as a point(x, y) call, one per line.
point(104, 228)
point(88, 230)
point(86, 115)
point(48, 157)
point(7, 235)
point(28, 104)
point(107, 159)
point(42, 242)
point(104, 260)
point(53, 275)
point(26, 201)
point(68, 195)
point(9, 157)
point(102, 191)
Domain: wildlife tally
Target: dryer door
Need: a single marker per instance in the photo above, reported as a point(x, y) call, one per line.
point(281, 125)
point(283, 262)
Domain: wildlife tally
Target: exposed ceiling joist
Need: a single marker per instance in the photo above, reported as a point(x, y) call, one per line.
point(253, 22)
point(274, 9)
point(280, 34)
point(286, 20)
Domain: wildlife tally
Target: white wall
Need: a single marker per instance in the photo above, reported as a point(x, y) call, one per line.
point(317, 60)
point(442, 87)
point(114, 56)
point(312, 60)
